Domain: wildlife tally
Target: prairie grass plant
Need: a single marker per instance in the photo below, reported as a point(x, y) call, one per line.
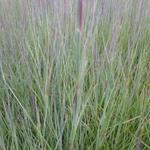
point(74, 77)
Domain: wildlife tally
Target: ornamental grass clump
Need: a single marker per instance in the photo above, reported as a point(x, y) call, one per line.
point(74, 75)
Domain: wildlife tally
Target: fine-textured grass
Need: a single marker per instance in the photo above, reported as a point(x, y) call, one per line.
point(60, 89)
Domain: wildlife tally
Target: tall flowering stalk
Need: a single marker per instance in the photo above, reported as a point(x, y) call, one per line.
point(65, 8)
point(81, 15)
point(65, 4)
point(41, 3)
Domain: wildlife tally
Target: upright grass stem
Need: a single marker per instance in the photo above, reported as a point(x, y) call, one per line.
point(65, 4)
point(65, 9)
point(81, 15)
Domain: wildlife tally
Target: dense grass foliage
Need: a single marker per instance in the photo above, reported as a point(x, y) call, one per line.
point(67, 90)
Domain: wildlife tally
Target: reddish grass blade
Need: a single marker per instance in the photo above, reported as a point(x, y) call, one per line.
point(81, 15)
point(65, 8)
point(65, 3)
